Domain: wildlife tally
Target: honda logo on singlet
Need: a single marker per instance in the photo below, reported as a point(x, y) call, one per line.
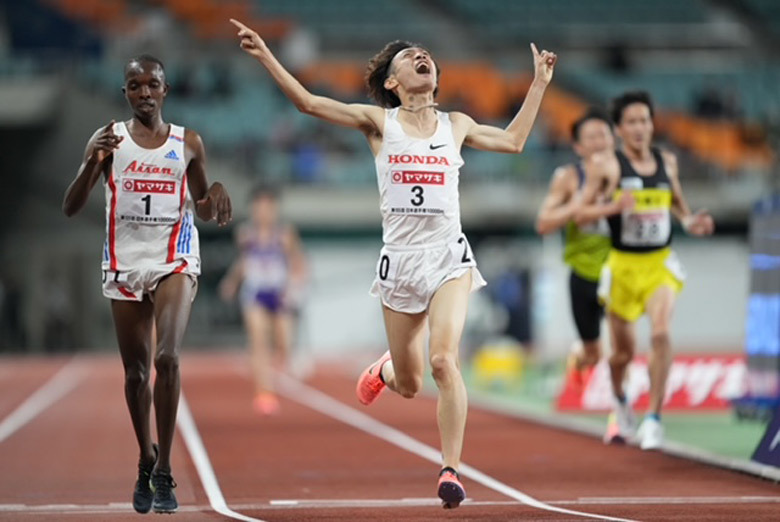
point(418, 159)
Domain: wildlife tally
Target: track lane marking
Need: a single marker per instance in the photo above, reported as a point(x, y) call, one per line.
point(200, 458)
point(335, 409)
point(291, 504)
point(59, 385)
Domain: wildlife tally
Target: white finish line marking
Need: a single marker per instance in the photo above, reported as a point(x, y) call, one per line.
point(55, 389)
point(202, 463)
point(329, 406)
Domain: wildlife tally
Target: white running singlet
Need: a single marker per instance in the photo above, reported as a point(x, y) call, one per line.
point(418, 184)
point(149, 210)
point(418, 190)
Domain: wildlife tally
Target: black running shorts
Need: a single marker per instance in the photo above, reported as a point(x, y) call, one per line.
point(585, 307)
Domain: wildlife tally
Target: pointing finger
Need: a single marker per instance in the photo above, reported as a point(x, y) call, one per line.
point(534, 49)
point(238, 24)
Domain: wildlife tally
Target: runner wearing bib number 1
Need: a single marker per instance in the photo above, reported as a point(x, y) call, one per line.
point(642, 275)
point(426, 269)
point(155, 181)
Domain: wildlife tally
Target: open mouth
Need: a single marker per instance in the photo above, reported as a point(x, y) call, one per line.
point(422, 68)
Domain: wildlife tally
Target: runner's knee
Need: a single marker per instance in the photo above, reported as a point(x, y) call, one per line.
point(660, 341)
point(408, 387)
point(591, 352)
point(620, 358)
point(166, 363)
point(136, 375)
point(443, 366)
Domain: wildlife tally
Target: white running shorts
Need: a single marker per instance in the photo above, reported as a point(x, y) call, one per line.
point(407, 277)
point(131, 285)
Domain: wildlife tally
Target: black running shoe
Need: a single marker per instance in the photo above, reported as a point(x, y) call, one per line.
point(142, 496)
point(164, 499)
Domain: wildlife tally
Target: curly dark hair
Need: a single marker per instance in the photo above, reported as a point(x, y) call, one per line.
point(593, 113)
point(618, 105)
point(379, 68)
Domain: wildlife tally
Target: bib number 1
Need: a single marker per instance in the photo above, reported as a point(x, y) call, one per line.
point(148, 200)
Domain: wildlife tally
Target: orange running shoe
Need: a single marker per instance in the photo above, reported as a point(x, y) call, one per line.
point(370, 384)
point(266, 403)
point(451, 491)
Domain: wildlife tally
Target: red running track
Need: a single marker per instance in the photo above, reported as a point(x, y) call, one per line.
point(68, 453)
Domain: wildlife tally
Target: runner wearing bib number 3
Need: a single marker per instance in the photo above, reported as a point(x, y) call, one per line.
point(426, 268)
point(642, 275)
point(155, 180)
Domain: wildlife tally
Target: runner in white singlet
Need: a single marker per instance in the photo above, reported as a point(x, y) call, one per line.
point(150, 232)
point(153, 172)
point(426, 268)
point(418, 190)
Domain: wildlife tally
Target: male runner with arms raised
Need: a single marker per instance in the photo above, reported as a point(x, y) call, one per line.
point(642, 275)
point(426, 268)
point(155, 180)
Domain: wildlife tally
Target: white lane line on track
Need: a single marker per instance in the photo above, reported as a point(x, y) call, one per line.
point(669, 500)
point(287, 504)
point(55, 389)
point(202, 463)
point(329, 406)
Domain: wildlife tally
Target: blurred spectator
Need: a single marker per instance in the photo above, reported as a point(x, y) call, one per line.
point(307, 161)
point(299, 49)
point(512, 290)
point(183, 84)
point(715, 103)
point(223, 86)
point(616, 58)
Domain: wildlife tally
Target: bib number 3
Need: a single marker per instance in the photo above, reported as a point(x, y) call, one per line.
point(418, 198)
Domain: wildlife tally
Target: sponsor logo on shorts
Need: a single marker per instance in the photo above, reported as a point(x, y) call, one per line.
point(149, 187)
point(417, 177)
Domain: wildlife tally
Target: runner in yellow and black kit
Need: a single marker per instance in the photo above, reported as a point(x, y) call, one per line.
point(586, 247)
point(642, 275)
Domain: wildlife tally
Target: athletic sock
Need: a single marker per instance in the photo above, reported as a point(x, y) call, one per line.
point(450, 469)
point(654, 416)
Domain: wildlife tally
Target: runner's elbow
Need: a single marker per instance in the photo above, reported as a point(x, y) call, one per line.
point(581, 219)
point(306, 105)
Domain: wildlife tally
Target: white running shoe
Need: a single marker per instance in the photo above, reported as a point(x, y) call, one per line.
point(621, 424)
point(651, 434)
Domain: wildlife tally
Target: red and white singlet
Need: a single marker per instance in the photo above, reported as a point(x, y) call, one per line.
point(150, 229)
